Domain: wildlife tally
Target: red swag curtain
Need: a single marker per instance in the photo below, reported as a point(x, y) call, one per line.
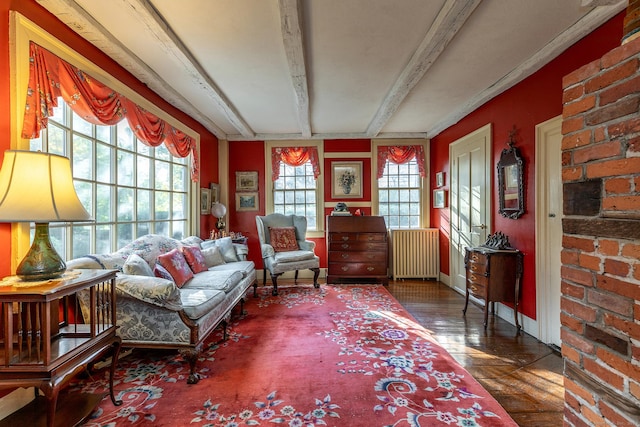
point(294, 156)
point(400, 155)
point(51, 77)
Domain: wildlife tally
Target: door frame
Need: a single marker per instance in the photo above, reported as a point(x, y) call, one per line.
point(541, 228)
point(486, 132)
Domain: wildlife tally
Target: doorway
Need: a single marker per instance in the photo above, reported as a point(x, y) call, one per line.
point(549, 228)
point(470, 198)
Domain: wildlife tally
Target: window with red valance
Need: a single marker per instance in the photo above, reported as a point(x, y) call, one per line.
point(400, 155)
point(294, 156)
point(51, 77)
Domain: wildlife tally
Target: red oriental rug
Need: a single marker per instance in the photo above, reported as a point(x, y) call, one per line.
point(334, 356)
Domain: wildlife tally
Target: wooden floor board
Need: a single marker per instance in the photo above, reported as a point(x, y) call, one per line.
point(522, 373)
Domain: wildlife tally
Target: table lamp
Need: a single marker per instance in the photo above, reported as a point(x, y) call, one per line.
point(38, 187)
point(219, 210)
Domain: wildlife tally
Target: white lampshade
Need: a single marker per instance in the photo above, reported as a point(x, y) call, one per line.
point(38, 187)
point(218, 210)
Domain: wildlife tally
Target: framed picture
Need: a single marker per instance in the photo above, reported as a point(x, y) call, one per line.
point(346, 179)
point(246, 181)
point(247, 202)
point(215, 192)
point(439, 179)
point(439, 198)
point(205, 201)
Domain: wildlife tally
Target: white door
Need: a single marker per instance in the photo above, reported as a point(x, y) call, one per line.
point(470, 201)
point(548, 228)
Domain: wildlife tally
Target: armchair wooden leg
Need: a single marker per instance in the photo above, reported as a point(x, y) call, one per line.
point(295, 278)
point(316, 273)
point(274, 280)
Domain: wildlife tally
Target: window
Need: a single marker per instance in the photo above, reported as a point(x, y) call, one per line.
point(399, 191)
point(129, 188)
point(294, 193)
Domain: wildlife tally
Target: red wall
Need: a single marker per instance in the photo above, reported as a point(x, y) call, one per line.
point(31, 10)
point(533, 101)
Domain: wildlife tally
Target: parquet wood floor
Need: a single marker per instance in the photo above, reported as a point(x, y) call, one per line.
point(522, 373)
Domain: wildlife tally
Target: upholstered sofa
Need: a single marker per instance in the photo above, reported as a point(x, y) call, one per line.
point(161, 303)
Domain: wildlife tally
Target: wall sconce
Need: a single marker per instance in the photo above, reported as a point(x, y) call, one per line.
point(219, 211)
point(38, 187)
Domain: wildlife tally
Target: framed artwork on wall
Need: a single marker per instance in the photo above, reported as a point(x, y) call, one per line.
point(439, 179)
point(439, 198)
point(215, 192)
point(346, 179)
point(247, 202)
point(247, 181)
point(205, 201)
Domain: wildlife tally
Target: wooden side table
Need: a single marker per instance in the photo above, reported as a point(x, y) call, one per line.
point(43, 348)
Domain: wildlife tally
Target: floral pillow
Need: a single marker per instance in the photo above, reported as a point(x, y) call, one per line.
point(283, 239)
point(136, 266)
point(212, 256)
point(161, 272)
point(194, 258)
point(177, 266)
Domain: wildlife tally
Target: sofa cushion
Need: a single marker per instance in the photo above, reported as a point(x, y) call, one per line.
point(157, 291)
point(226, 249)
point(283, 239)
point(160, 271)
point(177, 266)
point(137, 266)
point(245, 267)
point(212, 256)
point(293, 256)
point(219, 280)
point(194, 258)
point(198, 302)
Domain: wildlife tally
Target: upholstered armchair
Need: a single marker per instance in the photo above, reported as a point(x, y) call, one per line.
point(285, 248)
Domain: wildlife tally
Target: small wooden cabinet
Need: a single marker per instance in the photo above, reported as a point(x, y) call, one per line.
point(493, 275)
point(45, 349)
point(357, 249)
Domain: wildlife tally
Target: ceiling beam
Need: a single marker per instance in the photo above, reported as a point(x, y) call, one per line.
point(76, 18)
point(449, 21)
point(291, 26)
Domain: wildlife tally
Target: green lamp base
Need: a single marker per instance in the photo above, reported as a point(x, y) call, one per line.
point(42, 262)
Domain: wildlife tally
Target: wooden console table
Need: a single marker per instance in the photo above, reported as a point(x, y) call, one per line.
point(44, 348)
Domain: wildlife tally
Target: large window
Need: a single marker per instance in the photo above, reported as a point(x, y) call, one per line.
point(399, 195)
point(129, 188)
point(294, 193)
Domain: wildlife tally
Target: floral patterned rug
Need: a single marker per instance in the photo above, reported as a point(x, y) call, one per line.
point(334, 356)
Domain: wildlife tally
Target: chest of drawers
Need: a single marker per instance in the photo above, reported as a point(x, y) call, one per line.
point(357, 249)
point(493, 275)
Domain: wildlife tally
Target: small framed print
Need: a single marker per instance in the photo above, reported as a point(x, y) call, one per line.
point(246, 181)
point(439, 179)
point(247, 202)
point(346, 179)
point(439, 198)
point(215, 192)
point(205, 201)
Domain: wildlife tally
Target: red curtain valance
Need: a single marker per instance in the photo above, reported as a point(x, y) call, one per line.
point(294, 156)
point(51, 77)
point(400, 155)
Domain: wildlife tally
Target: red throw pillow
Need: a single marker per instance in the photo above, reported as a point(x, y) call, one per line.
point(283, 239)
point(177, 266)
point(194, 258)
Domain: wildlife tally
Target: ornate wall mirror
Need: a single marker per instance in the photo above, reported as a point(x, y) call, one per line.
point(511, 182)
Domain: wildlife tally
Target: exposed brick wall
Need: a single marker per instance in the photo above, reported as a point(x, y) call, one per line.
point(601, 242)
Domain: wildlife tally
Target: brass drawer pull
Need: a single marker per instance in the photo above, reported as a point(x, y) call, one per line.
point(370, 268)
point(344, 268)
point(345, 246)
point(345, 238)
point(344, 255)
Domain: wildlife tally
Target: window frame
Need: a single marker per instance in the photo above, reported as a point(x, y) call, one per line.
point(22, 32)
point(425, 194)
point(269, 188)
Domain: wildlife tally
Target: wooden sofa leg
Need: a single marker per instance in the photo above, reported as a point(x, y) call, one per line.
point(316, 273)
point(191, 356)
point(255, 289)
point(295, 278)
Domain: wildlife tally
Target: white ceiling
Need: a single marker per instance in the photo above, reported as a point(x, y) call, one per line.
point(300, 69)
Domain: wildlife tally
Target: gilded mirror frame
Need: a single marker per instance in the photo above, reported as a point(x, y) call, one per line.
point(511, 183)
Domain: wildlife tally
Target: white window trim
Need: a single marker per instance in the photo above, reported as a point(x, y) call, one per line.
point(425, 199)
point(22, 31)
point(319, 144)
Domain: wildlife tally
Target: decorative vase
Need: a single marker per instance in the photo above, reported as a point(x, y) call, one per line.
point(346, 188)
